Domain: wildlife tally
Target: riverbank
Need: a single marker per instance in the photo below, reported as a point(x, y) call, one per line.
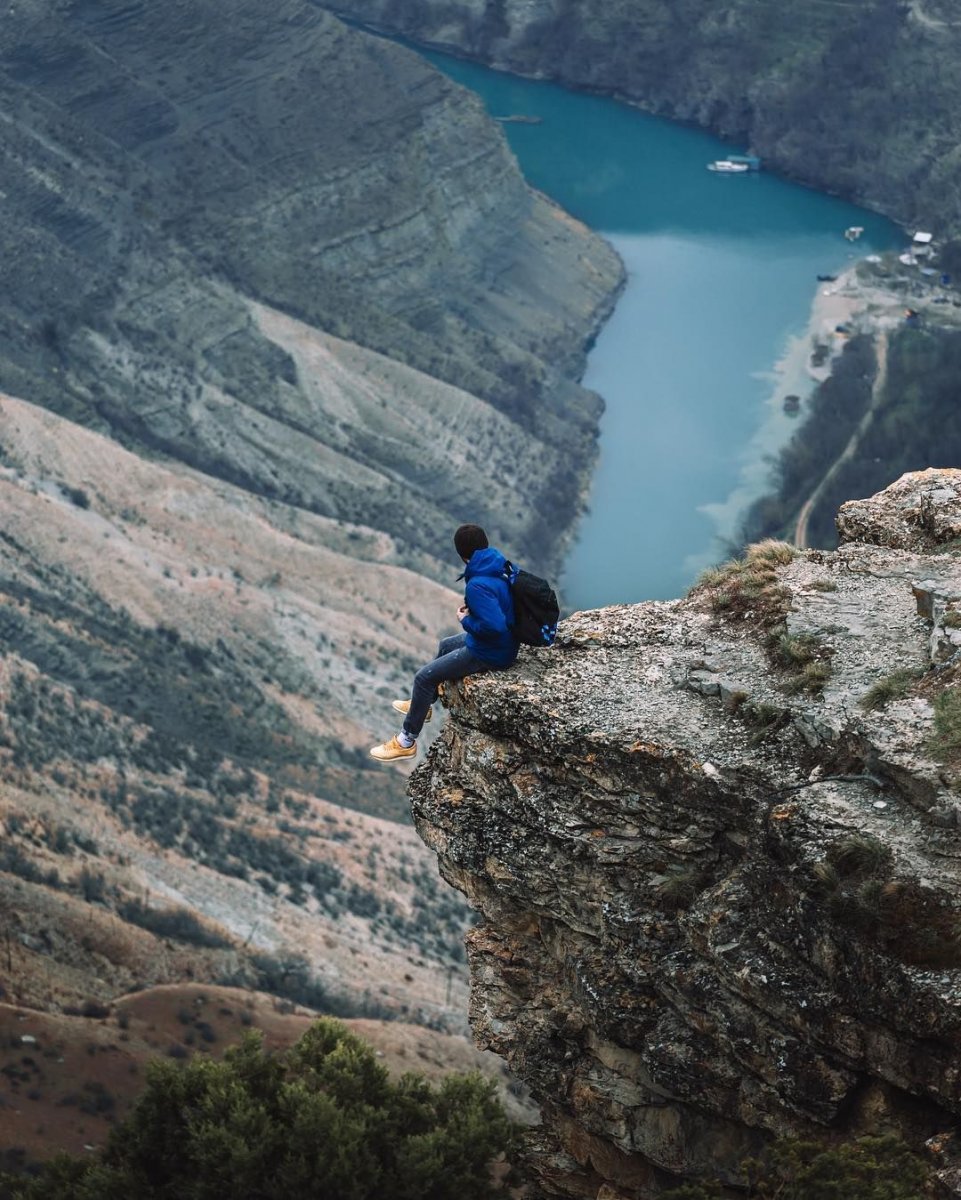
point(839, 450)
point(855, 302)
point(873, 297)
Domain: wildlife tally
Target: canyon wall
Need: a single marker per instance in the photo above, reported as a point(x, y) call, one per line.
point(855, 99)
point(165, 168)
point(278, 313)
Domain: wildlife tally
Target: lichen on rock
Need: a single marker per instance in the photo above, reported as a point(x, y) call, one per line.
point(714, 909)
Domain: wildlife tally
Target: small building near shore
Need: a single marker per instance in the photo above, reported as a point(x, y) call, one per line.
point(922, 244)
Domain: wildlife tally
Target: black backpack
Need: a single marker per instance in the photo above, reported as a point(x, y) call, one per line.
point(536, 612)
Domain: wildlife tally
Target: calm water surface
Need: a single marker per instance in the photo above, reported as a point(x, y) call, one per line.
point(721, 277)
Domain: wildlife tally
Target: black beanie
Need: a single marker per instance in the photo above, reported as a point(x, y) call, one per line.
point(469, 538)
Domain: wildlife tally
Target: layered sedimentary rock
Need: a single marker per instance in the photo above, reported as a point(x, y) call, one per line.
point(164, 167)
point(858, 99)
point(714, 846)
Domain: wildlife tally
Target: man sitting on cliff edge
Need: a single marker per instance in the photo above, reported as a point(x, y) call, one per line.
point(486, 644)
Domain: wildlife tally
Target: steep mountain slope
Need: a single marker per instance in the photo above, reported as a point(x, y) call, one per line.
point(860, 99)
point(202, 633)
point(189, 679)
point(164, 166)
point(278, 313)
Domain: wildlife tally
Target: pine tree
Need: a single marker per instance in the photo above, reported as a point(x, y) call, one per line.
point(321, 1121)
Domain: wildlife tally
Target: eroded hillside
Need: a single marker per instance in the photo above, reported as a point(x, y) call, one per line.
point(162, 168)
point(278, 313)
point(188, 680)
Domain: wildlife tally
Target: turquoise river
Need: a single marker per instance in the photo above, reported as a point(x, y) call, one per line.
point(695, 361)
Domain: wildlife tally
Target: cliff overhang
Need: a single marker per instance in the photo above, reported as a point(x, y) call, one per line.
point(717, 886)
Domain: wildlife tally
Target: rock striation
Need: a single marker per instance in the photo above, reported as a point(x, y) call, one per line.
point(718, 887)
point(299, 275)
point(853, 99)
point(166, 170)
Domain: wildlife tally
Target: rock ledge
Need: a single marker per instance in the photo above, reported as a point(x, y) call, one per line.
point(714, 908)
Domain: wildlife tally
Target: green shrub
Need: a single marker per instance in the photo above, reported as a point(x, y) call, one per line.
point(322, 1119)
point(178, 923)
point(871, 1168)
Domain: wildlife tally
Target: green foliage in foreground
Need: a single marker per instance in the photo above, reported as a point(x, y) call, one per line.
point(872, 1168)
point(321, 1120)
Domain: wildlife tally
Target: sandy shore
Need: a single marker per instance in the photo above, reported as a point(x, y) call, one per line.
point(849, 300)
point(867, 298)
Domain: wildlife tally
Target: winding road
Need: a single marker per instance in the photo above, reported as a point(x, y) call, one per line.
point(877, 389)
point(918, 13)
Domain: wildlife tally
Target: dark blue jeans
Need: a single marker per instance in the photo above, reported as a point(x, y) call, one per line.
point(453, 661)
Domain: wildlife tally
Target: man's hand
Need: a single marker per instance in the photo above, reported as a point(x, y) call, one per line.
point(462, 612)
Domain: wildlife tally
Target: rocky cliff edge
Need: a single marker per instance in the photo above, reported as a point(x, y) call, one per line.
point(714, 847)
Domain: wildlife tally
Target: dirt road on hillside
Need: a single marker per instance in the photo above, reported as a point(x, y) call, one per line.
point(877, 390)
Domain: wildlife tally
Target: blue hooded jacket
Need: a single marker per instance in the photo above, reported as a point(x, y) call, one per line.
point(487, 595)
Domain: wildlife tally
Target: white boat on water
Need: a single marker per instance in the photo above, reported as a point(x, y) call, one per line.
point(726, 167)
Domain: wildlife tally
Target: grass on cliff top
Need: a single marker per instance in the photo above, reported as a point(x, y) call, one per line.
point(895, 686)
point(747, 589)
point(805, 659)
point(944, 742)
point(748, 586)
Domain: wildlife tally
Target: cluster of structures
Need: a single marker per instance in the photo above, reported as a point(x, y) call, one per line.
point(923, 253)
point(920, 253)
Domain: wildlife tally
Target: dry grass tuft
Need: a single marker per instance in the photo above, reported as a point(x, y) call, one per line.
point(680, 888)
point(771, 551)
point(857, 855)
point(806, 660)
point(748, 587)
point(945, 740)
point(895, 686)
point(904, 918)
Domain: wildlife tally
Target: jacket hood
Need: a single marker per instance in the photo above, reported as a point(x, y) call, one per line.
point(485, 562)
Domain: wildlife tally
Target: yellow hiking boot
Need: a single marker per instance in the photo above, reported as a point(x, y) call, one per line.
point(403, 706)
point(392, 750)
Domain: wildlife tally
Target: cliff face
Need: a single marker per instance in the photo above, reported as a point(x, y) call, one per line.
point(163, 168)
point(714, 847)
point(857, 99)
